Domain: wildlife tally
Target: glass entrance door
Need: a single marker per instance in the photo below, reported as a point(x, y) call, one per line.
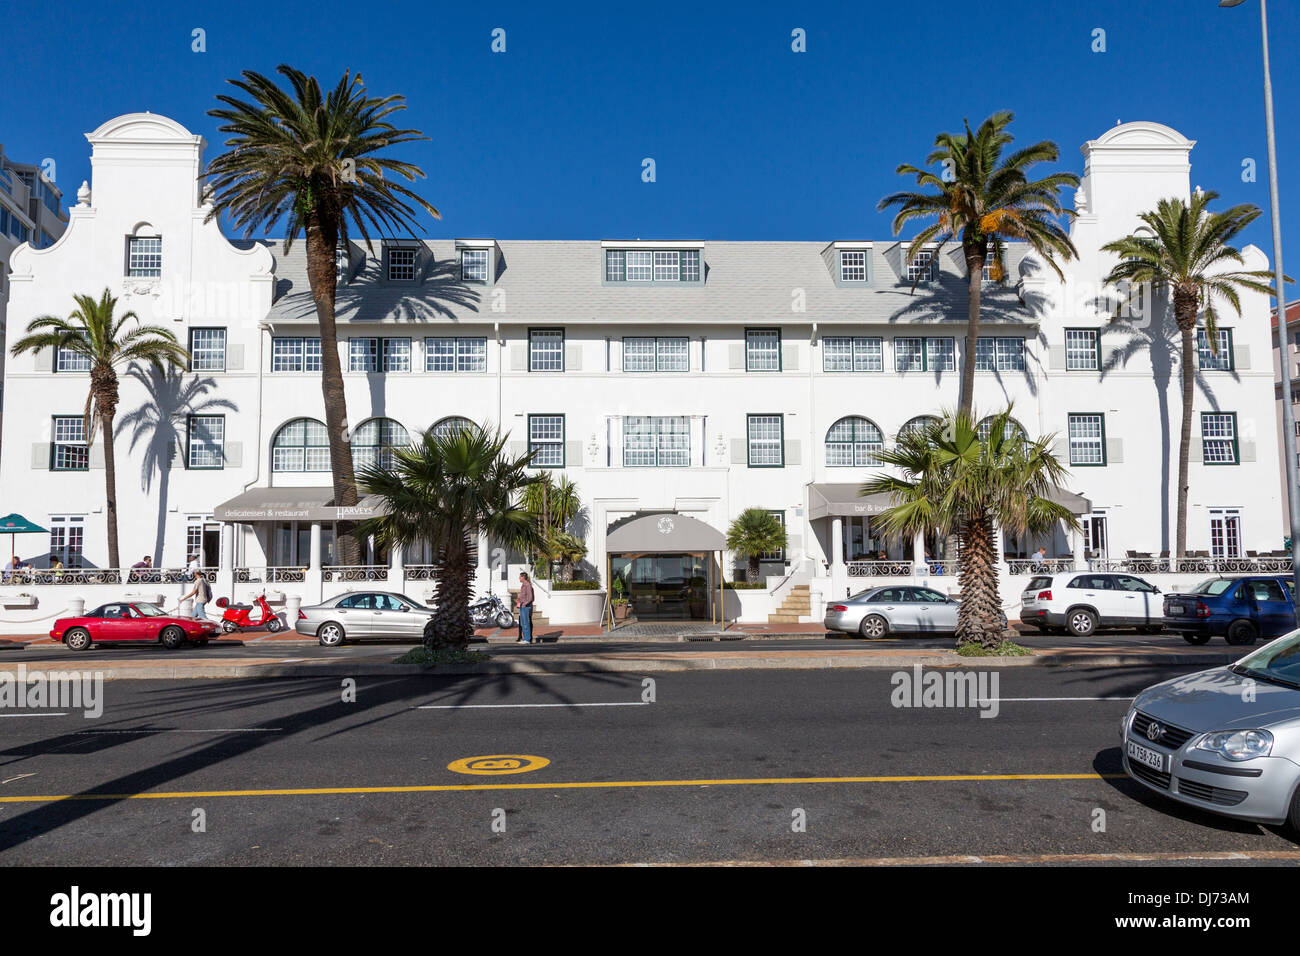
point(665, 587)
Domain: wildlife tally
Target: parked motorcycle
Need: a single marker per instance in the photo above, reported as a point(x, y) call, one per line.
point(246, 617)
point(489, 610)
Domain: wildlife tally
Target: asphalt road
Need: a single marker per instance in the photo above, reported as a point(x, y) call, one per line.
point(625, 780)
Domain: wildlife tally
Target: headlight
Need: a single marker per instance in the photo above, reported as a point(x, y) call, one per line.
point(1237, 744)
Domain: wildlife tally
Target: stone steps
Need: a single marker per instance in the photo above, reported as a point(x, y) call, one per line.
point(797, 604)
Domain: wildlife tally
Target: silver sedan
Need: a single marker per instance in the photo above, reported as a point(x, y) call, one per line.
point(1226, 740)
point(359, 615)
point(897, 608)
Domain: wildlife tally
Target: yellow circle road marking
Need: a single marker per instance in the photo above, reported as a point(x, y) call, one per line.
point(497, 764)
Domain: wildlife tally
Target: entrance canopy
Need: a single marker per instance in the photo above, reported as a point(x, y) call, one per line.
point(293, 504)
point(664, 534)
point(843, 500)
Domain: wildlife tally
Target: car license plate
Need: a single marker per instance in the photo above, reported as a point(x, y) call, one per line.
point(1174, 610)
point(1145, 755)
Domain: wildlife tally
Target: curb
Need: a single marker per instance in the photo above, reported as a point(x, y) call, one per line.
point(637, 665)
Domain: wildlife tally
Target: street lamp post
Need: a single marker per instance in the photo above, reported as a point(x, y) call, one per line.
point(1279, 295)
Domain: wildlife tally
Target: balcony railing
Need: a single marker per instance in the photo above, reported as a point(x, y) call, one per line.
point(421, 572)
point(270, 575)
point(355, 572)
point(879, 569)
point(1018, 566)
point(944, 566)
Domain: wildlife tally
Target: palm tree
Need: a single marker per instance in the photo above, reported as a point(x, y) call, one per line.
point(1183, 250)
point(754, 533)
point(447, 490)
point(94, 331)
point(553, 506)
point(310, 159)
point(980, 200)
point(952, 481)
point(566, 548)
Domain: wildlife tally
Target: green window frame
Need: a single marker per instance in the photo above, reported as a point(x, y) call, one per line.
point(1078, 350)
point(1226, 442)
point(1086, 440)
point(1225, 361)
point(765, 418)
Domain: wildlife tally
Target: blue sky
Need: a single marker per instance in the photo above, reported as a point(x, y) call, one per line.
point(750, 140)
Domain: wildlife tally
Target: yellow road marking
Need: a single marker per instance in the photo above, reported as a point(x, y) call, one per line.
point(574, 785)
point(497, 764)
point(1004, 858)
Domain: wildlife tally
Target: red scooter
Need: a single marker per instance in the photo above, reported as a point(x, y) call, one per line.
point(245, 617)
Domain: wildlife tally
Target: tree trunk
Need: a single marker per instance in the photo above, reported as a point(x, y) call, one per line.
point(1185, 308)
point(979, 619)
point(975, 255)
point(110, 490)
point(751, 569)
point(452, 626)
point(322, 238)
point(566, 568)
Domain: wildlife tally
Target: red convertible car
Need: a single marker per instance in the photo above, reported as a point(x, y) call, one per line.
point(127, 621)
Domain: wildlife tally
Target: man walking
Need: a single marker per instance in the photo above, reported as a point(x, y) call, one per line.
point(525, 609)
point(202, 594)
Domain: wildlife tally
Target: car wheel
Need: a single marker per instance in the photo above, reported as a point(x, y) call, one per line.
point(229, 627)
point(330, 635)
point(172, 638)
point(873, 625)
point(1082, 622)
point(1197, 639)
point(274, 625)
point(1293, 818)
point(1241, 633)
point(77, 639)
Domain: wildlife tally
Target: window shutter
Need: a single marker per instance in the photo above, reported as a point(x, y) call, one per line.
point(1247, 451)
point(43, 360)
point(572, 357)
point(739, 452)
point(573, 454)
point(793, 452)
point(790, 357)
point(519, 358)
point(1241, 357)
point(793, 542)
point(1061, 449)
point(1114, 451)
point(1056, 358)
point(97, 455)
point(178, 454)
point(234, 358)
point(234, 453)
point(518, 449)
point(736, 356)
point(41, 455)
point(1197, 452)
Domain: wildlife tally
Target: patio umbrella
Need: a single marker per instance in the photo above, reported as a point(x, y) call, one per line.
point(17, 524)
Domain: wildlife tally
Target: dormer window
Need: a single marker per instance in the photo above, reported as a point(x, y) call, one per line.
point(922, 267)
point(401, 265)
point(342, 261)
point(656, 264)
point(853, 266)
point(473, 265)
point(994, 268)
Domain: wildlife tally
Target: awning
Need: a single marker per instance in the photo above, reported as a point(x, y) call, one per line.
point(293, 504)
point(664, 534)
point(843, 500)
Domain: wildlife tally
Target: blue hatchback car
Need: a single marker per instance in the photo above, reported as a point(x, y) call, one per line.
point(1242, 609)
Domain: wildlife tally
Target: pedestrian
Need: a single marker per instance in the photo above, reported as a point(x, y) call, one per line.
point(191, 572)
point(138, 569)
point(1040, 556)
point(202, 594)
point(525, 609)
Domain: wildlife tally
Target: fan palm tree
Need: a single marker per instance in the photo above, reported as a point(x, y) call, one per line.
point(752, 534)
point(950, 480)
point(980, 200)
point(447, 490)
point(1183, 251)
point(95, 331)
point(568, 549)
point(554, 505)
point(311, 159)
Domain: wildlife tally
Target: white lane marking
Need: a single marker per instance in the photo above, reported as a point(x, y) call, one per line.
point(617, 703)
point(1015, 700)
point(188, 730)
point(19, 777)
point(43, 713)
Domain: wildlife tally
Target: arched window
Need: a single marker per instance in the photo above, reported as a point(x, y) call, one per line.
point(301, 445)
point(450, 425)
point(1013, 429)
point(853, 442)
point(373, 442)
point(919, 423)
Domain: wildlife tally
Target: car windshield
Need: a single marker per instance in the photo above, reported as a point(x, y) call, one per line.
point(148, 610)
point(1213, 586)
point(1279, 661)
point(1036, 583)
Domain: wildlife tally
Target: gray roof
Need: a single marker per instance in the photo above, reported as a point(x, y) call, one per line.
point(549, 282)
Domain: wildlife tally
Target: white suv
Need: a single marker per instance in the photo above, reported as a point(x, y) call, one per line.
point(1082, 601)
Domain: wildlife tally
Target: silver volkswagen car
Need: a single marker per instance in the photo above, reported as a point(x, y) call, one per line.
point(906, 608)
point(1226, 739)
point(360, 615)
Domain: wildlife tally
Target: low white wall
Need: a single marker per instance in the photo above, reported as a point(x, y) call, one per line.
point(571, 607)
point(750, 606)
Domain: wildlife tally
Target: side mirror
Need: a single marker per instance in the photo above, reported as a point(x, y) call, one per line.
point(1155, 589)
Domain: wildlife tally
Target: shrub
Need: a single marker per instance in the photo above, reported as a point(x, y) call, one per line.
point(575, 586)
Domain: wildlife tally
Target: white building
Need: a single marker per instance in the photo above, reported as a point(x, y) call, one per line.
point(691, 377)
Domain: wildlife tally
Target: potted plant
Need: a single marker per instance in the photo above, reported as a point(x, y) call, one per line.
point(619, 603)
